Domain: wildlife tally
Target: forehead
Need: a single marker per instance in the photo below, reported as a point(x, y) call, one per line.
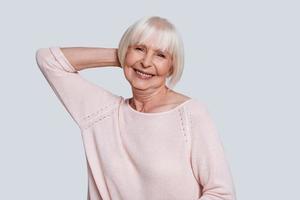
point(157, 40)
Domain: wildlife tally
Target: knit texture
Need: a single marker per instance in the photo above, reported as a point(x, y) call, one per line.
point(131, 155)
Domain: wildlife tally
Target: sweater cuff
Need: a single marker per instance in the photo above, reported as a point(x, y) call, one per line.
point(58, 54)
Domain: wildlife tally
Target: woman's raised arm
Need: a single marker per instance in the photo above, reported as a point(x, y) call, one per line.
point(84, 100)
point(86, 57)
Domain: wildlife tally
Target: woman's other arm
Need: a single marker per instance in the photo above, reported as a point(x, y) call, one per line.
point(209, 162)
point(86, 57)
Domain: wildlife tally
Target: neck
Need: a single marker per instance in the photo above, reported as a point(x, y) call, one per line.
point(143, 100)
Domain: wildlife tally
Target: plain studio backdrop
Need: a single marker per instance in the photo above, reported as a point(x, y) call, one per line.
point(241, 58)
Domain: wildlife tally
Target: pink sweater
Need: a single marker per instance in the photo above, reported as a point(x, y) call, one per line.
point(171, 155)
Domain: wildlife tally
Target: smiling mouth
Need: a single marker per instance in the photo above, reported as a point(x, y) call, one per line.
point(143, 75)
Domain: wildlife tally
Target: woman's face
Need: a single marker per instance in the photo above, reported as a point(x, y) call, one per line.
point(145, 58)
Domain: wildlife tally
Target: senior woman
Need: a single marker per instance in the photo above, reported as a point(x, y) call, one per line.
point(157, 145)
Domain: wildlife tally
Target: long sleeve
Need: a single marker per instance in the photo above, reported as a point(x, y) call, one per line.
point(82, 99)
point(209, 162)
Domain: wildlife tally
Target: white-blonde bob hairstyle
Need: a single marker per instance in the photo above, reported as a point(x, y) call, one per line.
point(167, 39)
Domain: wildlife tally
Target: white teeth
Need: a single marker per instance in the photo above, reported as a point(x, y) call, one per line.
point(142, 74)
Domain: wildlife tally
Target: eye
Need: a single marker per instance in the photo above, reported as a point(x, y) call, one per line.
point(161, 55)
point(139, 48)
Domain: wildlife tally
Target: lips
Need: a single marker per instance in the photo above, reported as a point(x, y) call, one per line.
point(145, 73)
point(142, 75)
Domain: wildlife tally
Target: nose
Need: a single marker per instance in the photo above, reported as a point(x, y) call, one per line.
point(147, 60)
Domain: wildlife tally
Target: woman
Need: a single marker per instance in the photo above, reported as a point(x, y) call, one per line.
point(158, 144)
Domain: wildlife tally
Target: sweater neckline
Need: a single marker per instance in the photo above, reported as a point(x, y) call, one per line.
point(156, 113)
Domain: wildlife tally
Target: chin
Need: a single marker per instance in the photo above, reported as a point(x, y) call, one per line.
point(139, 85)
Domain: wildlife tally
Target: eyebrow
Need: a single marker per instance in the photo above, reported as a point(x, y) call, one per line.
point(159, 50)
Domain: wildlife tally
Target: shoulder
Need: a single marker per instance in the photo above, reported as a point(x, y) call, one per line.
point(194, 105)
point(176, 97)
point(197, 106)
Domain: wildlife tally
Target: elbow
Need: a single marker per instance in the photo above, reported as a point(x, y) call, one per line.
point(220, 192)
point(40, 56)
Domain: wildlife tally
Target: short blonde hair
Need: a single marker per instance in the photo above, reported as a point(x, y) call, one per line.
point(168, 39)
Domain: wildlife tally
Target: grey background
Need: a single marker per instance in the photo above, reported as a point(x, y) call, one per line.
point(242, 59)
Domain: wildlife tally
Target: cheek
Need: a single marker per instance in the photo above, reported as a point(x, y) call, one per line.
point(164, 69)
point(128, 72)
point(128, 63)
point(130, 59)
